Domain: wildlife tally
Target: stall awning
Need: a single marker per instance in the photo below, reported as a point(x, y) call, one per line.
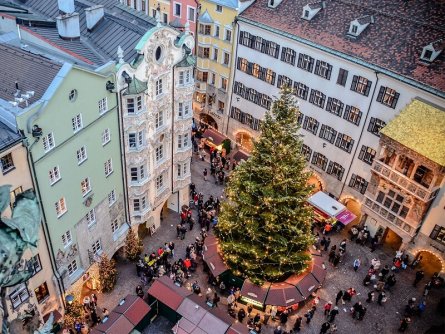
point(238, 328)
point(307, 285)
point(326, 204)
point(318, 269)
point(115, 323)
point(345, 217)
point(214, 136)
point(255, 292)
point(216, 264)
point(240, 155)
point(283, 294)
point(133, 308)
point(164, 290)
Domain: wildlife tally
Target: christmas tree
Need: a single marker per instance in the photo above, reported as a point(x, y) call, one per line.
point(73, 312)
point(264, 226)
point(133, 246)
point(107, 273)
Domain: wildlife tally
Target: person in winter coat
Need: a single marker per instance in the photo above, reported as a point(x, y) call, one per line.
point(356, 264)
point(332, 314)
point(325, 327)
point(327, 307)
point(297, 325)
point(339, 296)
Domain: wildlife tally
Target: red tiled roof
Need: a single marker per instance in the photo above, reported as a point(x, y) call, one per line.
point(164, 290)
point(134, 309)
point(393, 42)
point(115, 324)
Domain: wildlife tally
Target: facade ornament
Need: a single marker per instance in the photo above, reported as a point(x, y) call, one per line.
point(120, 54)
point(158, 18)
point(187, 28)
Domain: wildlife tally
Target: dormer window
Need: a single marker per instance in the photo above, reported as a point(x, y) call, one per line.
point(306, 14)
point(354, 29)
point(273, 3)
point(357, 26)
point(311, 9)
point(431, 51)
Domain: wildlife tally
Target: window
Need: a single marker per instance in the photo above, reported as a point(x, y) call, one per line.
point(319, 160)
point(361, 85)
point(114, 225)
point(301, 90)
point(54, 175)
point(334, 106)
point(336, 170)
point(182, 169)
point(6, 163)
point(19, 295)
point(219, 8)
point(216, 31)
point(111, 197)
point(130, 106)
point(139, 103)
point(159, 153)
point(375, 125)
point(226, 59)
point(159, 90)
point(393, 204)
point(288, 55)
point(136, 140)
point(191, 14)
point(138, 174)
point(353, 115)
point(284, 81)
point(388, 97)
point(344, 142)
point(306, 151)
point(215, 54)
point(36, 264)
point(300, 118)
point(342, 77)
point(72, 268)
point(154, 12)
point(224, 83)
point(184, 77)
point(177, 9)
point(41, 292)
point(96, 246)
point(317, 98)
point(183, 141)
point(85, 186)
point(60, 207)
point(213, 79)
point(323, 69)
point(66, 239)
point(203, 52)
point(221, 106)
point(354, 29)
point(438, 234)
point(358, 183)
point(245, 118)
point(328, 133)
point(136, 205)
point(183, 109)
point(271, 49)
point(160, 182)
point(228, 35)
point(305, 62)
point(143, 5)
point(204, 29)
point(81, 155)
point(103, 105)
point(72, 95)
point(159, 119)
point(310, 124)
point(106, 136)
point(90, 217)
point(270, 76)
point(367, 154)
point(77, 122)
point(13, 195)
point(202, 76)
point(48, 142)
point(108, 167)
point(165, 18)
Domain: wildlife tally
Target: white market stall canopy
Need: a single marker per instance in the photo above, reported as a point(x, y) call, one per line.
point(331, 207)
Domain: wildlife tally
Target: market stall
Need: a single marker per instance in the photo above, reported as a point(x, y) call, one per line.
point(213, 138)
point(284, 294)
point(254, 294)
point(327, 207)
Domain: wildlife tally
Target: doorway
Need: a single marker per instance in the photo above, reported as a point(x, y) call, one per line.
point(392, 239)
point(430, 262)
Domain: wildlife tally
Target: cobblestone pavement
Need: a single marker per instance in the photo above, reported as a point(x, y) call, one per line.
point(378, 319)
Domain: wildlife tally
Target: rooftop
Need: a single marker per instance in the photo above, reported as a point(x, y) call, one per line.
point(7, 136)
point(394, 42)
point(421, 128)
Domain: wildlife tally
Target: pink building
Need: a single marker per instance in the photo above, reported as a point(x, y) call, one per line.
point(183, 11)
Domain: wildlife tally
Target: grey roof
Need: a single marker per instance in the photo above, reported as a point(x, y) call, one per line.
point(205, 18)
point(135, 87)
point(8, 137)
point(121, 26)
point(36, 73)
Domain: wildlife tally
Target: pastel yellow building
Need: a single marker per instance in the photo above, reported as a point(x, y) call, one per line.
point(215, 59)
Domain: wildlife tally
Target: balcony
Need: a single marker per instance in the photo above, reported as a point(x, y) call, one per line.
point(403, 181)
point(396, 221)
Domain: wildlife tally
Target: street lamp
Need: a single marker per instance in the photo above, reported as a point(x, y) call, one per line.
point(69, 299)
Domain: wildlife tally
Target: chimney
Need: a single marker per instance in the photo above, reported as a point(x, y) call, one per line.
point(66, 6)
point(68, 26)
point(94, 15)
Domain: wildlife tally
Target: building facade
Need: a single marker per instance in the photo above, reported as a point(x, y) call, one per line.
point(155, 92)
point(40, 291)
point(346, 92)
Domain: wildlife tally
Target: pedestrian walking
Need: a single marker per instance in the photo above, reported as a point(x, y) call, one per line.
point(333, 314)
point(331, 255)
point(325, 327)
point(419, 275)
point(338, 297)
point(356, 264)
point(278, 330)
point(309, 315)
point(327, 307)
point(404, 324)
point(215, 300)
point(361, 313)
point(284, 316)
point(205, 174)
point(336, 260)
point(327, 243)
point(427, 289)
point(297, 325)
point(241, 315)
point(370, 297)
point(381, 298)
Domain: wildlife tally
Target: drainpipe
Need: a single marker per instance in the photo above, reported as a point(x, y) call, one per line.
point(361, 132)
point(234, 59)
point(196, 25)
point(173, 129)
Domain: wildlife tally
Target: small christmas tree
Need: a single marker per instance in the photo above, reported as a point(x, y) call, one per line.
point(133, 246)
point(73, 312)
point(264, 227)
point(107, 273)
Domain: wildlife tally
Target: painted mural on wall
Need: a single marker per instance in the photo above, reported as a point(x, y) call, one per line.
point(17, 234)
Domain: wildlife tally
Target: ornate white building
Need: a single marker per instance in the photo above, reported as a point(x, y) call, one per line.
point(155, 92)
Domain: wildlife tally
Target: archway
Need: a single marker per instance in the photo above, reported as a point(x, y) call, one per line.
point(244, 139)
point(209, 120)
point(392, 239)
point(430, 262)
point(315, 181)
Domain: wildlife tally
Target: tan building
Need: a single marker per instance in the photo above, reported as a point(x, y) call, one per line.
point(39, 292)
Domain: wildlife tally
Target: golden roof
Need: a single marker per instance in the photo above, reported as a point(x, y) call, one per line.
point(421, 128)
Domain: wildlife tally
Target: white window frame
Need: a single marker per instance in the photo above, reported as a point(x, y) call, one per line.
point(183, 109)
point(72, 268)
point(97, 247)
point(159, 153)
point(67, 239)
point(61, 207)
point(82, 155)
point(183, 141)
point(130, 104)
point(108, 167)
point(115, 225)
point(182, 170)
point(136, 205)
point(159, 89)
point(217, 31)
point(48, 142)
point(54, 175)
point(225, 53)
point(103, 105)
point(90, 217)
point(188, 13)
point(106, 136)
point(139, 173)
point(77, 123)
point(159, 119)
point(217, 7)
point(19, 294)
point(85, 186)
point(227, 84)
point(174, 9)
point(225, 35)
point(111, 197)
point(7, 163)
point(215, 54)
point(160, 182)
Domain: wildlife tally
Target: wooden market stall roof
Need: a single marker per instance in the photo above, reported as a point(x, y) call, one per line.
point(165, 290)
point(133, 308)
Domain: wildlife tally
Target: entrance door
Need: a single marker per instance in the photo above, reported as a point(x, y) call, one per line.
point(392, 239)
point(173, 202)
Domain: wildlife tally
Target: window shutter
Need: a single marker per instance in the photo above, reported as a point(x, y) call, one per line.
point(273, 78)
point(324, 163)
point(352, 181)
point(435, 232)
point(328, 74)
point(277, 50)
point(380, 95)
point(340, 175)
point(300, 59)
point(371, 124)
point(317, 67)
point(363, 189)
point(283, 54)
point(314, 158)
point(329, 105)
point(351, 145)
point(241, 37)
point(362, 152)
point(311, 98)
point(354, 83)
point(338, 141)
point(305, 92)
point(311, 64)
point(329, 171)
point(279, 80)
point(305, 122)
point(347, 112)
point(368, 88)
point(323, 99)
point(394, 102)
point(323, 128)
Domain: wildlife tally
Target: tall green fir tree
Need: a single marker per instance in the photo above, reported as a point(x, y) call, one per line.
point(264, 226)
